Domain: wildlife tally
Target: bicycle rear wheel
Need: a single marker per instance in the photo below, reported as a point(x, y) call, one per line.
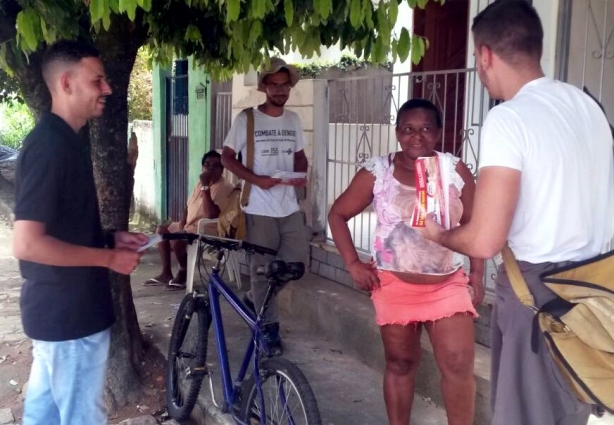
point(288, 398)
point(186, 357)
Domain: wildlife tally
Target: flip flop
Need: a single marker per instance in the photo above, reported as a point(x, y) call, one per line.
point(154, 282)
point(174, 286)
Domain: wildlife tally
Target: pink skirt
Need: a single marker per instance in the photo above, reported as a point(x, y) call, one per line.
point(398, 302)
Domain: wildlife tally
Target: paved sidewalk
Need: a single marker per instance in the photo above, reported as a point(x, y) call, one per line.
point(348, 391)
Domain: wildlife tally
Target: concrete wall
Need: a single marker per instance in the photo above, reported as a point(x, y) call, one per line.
point(145, 198)
point(548, 12)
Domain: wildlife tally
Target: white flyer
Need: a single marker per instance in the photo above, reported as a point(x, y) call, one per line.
point(153, 240)
point(288, 175)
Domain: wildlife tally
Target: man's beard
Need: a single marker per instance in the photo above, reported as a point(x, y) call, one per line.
point(277, 102)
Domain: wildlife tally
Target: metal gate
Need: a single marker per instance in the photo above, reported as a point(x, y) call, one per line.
point(177, 142)
point(363, 112)
point(362, 125)
point(222, 119)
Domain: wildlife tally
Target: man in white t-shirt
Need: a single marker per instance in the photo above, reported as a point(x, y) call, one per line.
point(273, 215)
point(546, 186)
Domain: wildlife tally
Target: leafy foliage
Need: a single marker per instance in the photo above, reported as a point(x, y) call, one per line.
point(140, 90)
point(9, 89)
point(16, 121)
point(228, 35)
point(346, 63)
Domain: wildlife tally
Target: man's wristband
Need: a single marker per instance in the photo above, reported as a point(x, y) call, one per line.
point(109, 238)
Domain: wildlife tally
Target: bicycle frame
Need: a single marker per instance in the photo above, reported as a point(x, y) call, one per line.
point(216, 287)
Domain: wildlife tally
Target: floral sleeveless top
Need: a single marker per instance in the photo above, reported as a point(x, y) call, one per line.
point(397, 246)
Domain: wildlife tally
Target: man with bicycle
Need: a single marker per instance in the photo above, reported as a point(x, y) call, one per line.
point(273, 216)
point(66, 303)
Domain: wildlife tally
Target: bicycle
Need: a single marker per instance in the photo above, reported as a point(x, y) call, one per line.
point(277, 392)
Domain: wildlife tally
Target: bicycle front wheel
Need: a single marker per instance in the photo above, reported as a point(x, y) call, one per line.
point(287, 396)
point(186, 357)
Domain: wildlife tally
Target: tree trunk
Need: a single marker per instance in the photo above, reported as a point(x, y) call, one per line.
point(109, 140)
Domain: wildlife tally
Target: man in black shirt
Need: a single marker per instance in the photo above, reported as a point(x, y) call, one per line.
point(66, 303)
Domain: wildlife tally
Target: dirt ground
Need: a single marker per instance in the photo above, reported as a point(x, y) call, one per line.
point(15, 360)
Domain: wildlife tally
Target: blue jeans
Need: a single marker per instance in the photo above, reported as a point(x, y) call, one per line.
point(66, 385)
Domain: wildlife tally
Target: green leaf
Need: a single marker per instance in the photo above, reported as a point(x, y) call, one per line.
point(377, 52)
point(326, 7)
point(422, 45)
point(403, 45)
point(114, 5)
point(355, 13)
point(367, 11)
point(234, 7)
point(255, 32)
point(145, 4)
point(422, 3)
point(192, 33)
point(412, 3)
point(128, 6)
point(393, 11)
point(44, 29)
point(384, 28)
point(289, 12)
point(258, 9)
point(417, 49)
point(97, 9)
point(106, 19)
point(3, 63)
point(28, 23)
point(316, 6)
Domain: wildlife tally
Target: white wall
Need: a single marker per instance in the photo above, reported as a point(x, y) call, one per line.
point(144, 176)
point(548, 12)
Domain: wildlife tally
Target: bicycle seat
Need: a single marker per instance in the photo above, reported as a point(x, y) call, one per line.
point(282, 272)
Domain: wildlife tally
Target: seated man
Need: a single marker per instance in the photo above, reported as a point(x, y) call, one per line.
point(208, 198)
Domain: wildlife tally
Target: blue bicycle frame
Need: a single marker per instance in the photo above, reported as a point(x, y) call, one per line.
point(217, 287)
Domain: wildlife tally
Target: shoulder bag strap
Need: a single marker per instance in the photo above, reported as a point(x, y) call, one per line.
point(247, 186)
point(519, 284)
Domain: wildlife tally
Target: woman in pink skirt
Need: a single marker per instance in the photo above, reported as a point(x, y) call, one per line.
point(415, 283)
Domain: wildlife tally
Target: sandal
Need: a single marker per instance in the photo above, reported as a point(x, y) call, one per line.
point(154, 281)
point(174, 286)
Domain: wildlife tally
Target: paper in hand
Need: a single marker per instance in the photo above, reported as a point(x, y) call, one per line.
point(288, 175)
point(153, 240)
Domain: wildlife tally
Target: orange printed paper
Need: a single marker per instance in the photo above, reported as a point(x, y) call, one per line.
point(430, 196)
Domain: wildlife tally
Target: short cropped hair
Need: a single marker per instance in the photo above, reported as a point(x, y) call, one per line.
point(211, 154)
point(511, 29)
point(420, 104)
point(65, 52)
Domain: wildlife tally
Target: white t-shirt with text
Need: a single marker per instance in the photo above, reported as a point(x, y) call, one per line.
point(560, 141)
point(276, 140)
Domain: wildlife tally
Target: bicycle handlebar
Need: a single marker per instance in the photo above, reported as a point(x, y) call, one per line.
point(220, 243)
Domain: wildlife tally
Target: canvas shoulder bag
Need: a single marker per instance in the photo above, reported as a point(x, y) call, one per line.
point(231, 221)
point(578, 327)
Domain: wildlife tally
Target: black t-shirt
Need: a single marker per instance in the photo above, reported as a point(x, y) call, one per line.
point(54, 185)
